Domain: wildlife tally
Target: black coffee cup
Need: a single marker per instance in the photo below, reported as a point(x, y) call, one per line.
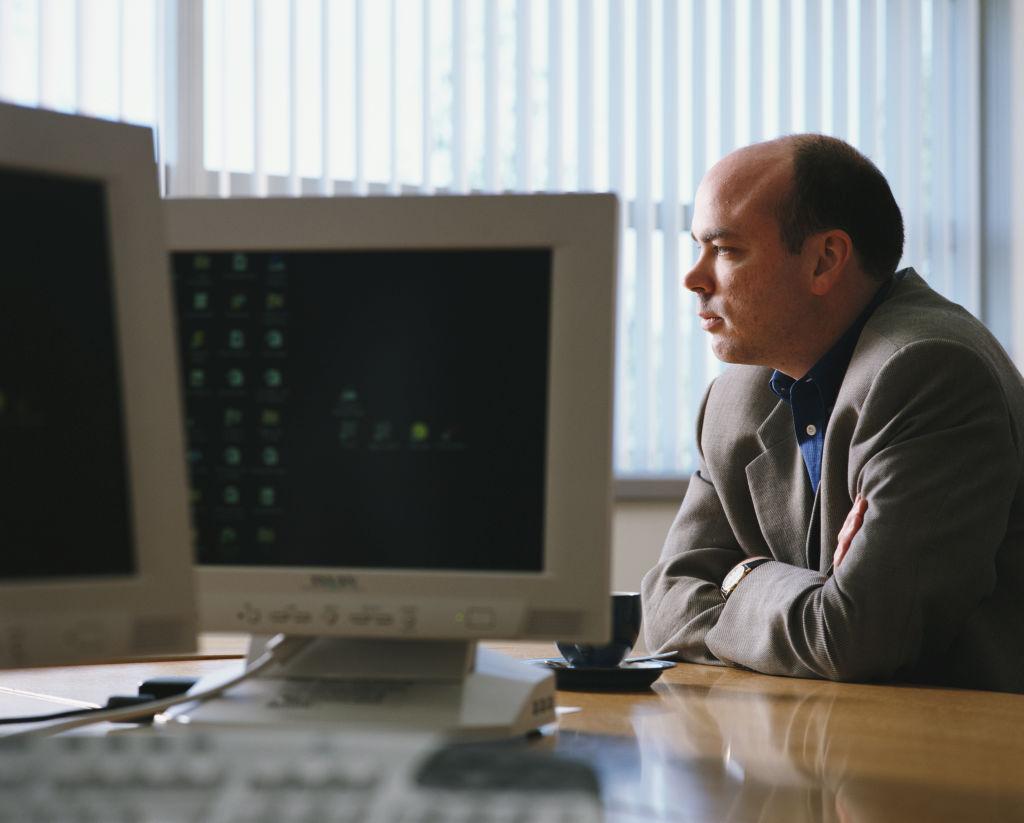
point(625, 628)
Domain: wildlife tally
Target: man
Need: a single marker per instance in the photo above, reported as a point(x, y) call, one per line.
point(858, 508)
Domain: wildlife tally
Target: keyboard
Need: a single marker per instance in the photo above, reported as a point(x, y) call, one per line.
point(215, 775)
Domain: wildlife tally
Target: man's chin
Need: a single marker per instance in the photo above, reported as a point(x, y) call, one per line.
point(723, 351)
point(730, 354)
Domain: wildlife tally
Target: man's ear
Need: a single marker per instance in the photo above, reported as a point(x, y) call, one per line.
point(834, 249)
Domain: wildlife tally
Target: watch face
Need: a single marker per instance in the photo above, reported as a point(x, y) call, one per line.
point(733, 577)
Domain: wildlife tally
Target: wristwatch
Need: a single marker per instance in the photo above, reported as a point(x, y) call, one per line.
point(738, 572)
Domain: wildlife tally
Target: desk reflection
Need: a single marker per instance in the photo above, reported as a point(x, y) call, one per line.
point(729, 749)
point(718, 744)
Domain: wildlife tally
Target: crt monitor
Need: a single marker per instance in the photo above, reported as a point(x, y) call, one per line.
point(93, 509)
point(399, 416)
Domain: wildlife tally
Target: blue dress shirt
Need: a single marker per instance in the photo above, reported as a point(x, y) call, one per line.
point(813, 396)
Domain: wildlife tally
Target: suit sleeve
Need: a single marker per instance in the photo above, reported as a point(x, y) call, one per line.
point(936, 457)
point(681, 594)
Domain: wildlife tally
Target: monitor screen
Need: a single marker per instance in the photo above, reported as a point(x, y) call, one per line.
point(381, 409)
point(95, 560)
point(64, 491)
point(399, 412)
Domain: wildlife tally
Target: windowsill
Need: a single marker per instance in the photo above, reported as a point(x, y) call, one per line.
point(650, 488)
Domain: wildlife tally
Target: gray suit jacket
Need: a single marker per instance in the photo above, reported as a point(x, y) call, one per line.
point(929, 426)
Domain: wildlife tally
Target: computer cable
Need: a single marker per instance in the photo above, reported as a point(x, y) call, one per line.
point(42, 718)
point(151, 690)
point(115, 702)
point(278, 650)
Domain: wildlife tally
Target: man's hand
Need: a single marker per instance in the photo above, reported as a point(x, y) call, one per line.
point(854, 520)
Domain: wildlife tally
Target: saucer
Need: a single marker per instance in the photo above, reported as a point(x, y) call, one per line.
point(629, 677)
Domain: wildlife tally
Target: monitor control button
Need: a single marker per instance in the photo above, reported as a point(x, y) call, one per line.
point(480, 617)
point(407, 618)
point(89, 636)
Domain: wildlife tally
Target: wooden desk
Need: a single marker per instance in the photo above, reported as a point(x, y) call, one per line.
point(714, 744)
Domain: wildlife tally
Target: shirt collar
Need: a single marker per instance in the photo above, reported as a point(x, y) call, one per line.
point(829, 371)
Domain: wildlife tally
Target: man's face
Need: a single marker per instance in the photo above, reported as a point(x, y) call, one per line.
point(754, 294)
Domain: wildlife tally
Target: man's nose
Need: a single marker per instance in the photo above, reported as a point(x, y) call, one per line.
point(699, 278)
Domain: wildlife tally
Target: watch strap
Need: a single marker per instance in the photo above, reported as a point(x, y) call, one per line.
point(732, 581)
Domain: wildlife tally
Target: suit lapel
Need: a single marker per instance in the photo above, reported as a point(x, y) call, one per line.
point(779, 488)
point(813, 547)
point(835, 502)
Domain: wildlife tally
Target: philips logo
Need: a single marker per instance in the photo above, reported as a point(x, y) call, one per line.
point(333, 583)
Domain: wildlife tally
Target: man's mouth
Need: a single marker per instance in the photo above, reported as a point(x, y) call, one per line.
point(709, 321)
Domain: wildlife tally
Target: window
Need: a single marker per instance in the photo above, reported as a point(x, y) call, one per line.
point(342, 97)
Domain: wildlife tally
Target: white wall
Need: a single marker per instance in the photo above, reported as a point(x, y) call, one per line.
point(1017, 179)
point(638, 532)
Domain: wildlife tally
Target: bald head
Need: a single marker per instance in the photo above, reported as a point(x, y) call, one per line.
point(794, 235)
point(752, 181)
point(813, 183)
point(759, 165)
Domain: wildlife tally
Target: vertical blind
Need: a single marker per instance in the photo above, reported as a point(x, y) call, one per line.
point(349, 97)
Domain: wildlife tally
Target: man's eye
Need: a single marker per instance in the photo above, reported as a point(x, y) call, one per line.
point(720, 250)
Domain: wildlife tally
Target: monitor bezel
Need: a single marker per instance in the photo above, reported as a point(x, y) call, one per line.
point(570, 597)
point(70, 620)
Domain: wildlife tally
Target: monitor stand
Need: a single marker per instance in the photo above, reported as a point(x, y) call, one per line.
point(450, 687)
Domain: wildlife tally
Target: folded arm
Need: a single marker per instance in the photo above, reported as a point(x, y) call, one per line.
point(681, 594)
point(937, 461)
